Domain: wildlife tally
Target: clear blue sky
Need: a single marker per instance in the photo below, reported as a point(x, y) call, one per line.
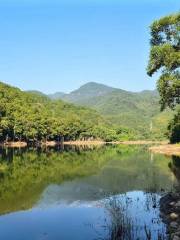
point(59, 45)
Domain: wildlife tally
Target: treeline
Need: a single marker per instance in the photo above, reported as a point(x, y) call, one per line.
point(31, 117)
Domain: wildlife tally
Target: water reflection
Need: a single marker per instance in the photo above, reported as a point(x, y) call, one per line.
point(126, 221)
point(174, 165)
point(113, 189)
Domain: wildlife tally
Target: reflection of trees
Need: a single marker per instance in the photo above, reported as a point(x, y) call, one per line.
point(176, 161)
point(25, 173)
point(174, 165)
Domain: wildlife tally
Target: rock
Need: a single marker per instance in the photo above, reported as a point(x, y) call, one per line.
point(177, 233)
point(175, 195)
point(176, 237)
point(162, 215)
point(172, 236)
point(174, 225)
point(172, 203)
point(177, 204)
point(173, 216)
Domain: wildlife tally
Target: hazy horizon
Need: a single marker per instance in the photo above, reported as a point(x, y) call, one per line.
point(59, 91)
point(59, 46)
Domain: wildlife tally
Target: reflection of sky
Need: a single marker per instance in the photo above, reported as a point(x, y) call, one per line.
point(80, 219)
point(51, 224)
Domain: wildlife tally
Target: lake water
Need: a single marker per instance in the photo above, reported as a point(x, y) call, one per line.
point(107, 192)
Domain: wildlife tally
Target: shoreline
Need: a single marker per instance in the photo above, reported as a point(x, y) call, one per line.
point(13, 144)
point(160, 147)
point(82, 143)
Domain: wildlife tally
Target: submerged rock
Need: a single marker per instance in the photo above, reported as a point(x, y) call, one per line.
point(177, 233)
point(176, 237)
point(174, 216)
point(170, 213)
point(174, 225)
point(177, 204)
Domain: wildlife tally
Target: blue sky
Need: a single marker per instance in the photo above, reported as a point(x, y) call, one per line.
point(59, 45)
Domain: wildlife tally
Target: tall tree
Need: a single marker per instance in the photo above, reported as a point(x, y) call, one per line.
point(165, 56)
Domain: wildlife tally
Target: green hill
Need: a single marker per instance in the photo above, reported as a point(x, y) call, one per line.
point(32, 116)
point(101, 112)
point(139, 111)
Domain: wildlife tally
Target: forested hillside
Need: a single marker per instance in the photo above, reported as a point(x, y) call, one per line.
point(31, 116)
point(138, 111)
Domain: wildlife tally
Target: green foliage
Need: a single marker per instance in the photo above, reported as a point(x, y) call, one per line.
point(160, 123)
point(30, 116)
point(169, 88)
point(174, 128)
point(123, 109)
point(165, 56)
point(166, 30)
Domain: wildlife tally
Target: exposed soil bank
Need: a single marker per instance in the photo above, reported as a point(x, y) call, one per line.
point(13, 144)
point(142, 142)
point(167, 149)
point(84, 143)
point(78, 142)
point(98, 142)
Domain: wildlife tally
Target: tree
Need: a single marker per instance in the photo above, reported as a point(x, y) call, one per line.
point(174, 128)
point(165, 56)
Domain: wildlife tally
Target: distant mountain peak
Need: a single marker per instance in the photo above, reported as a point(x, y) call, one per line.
point(57, 95)
point(92, 86)
point(88, 90)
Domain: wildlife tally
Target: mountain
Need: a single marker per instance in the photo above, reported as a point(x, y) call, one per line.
point(137, 110)
point(85, 92)
point(36, 93)
point(57, 95)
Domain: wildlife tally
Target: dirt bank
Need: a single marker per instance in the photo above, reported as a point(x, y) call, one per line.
point(167, 149)
point(13, 144)
point(143, 142)
point(78, 142)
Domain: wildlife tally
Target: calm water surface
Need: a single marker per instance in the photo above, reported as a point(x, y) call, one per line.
point(109, 192)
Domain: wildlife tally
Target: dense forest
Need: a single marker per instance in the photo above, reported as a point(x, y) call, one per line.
point(33, 117)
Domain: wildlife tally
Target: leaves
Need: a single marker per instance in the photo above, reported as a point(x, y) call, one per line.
point(174, 128)
point(165, 56)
